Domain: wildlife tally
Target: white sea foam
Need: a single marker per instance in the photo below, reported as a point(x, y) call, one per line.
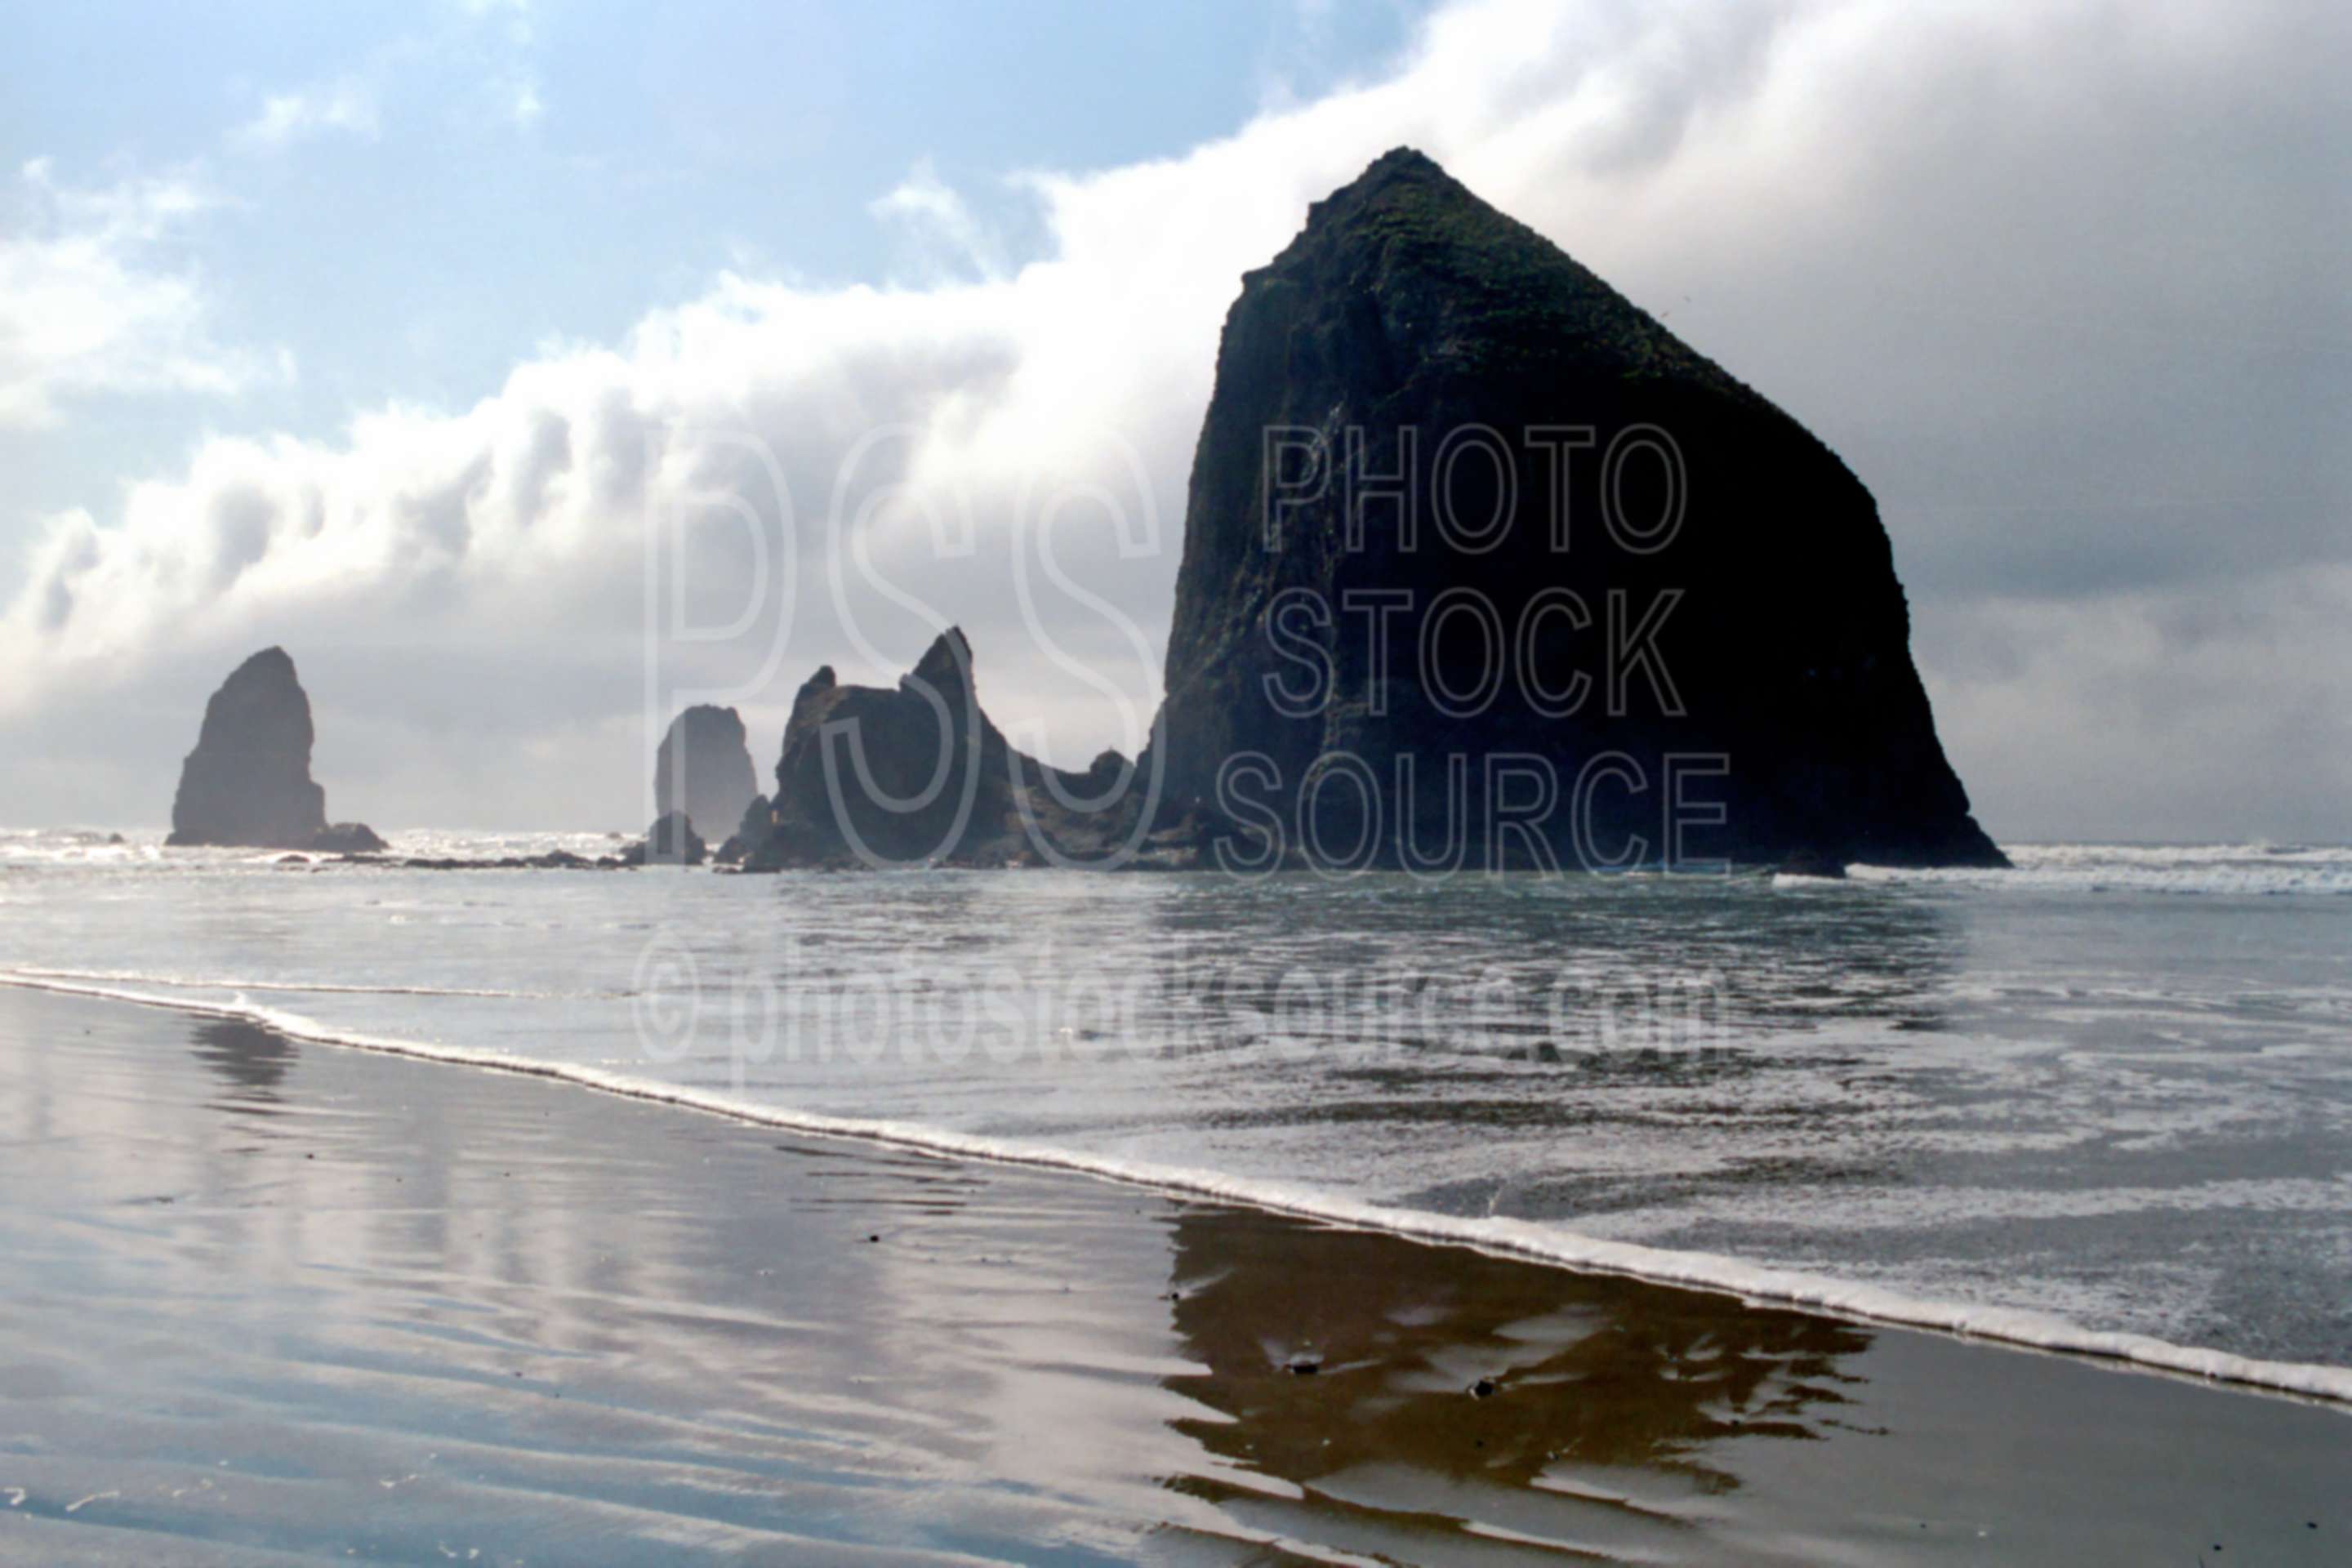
point(1528, 1239)
point(1897, 1209)
point(2240, 871)
point(239, 983)
point(87, 846)
point(2248, 870)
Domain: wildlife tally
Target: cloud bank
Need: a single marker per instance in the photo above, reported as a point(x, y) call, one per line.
point(2062, 284)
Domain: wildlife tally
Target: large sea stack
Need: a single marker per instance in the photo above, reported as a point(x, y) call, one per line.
point(1473, 542)
point(704, 769)
point(248, 780)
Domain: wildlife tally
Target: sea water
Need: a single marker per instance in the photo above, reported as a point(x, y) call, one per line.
point(2101, 1100)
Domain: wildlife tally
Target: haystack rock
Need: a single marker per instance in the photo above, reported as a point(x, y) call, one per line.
point(248, 780)
point(1473, 543)
point(917, 774)
point(704, 769)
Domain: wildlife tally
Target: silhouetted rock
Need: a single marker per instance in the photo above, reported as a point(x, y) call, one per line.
point(348, 838)
point(750, 831)
point(917, 774)
point(670, 841)
point(1809, 862)
point(248, 780)
point(704, 769)
point(1421, 397)
point(551, 860)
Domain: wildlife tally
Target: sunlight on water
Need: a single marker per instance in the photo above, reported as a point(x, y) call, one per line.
point(2114, 1085)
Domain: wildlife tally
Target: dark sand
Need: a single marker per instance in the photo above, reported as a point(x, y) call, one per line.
point(265, 1301)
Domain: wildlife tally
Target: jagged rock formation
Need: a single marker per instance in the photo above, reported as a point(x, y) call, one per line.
point(248, 780)
point(917, 774)
point(752, 830)
point(704, 769)
point(1421, 397)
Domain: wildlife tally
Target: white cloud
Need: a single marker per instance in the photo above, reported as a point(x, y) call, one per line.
point(2037, 271)
point(934, 215)
point(90, 304)
point(347, 106)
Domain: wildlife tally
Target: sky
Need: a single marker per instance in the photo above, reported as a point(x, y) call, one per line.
point(528, 370)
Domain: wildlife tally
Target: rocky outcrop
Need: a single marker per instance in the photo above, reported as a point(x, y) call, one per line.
point(1813, 864)
point(547, 860)
point(752, 830)
point(248, 780)
point(917, 774)
point(348, 838)
point(704, 769)
point(1482, 564)
point(670, 841)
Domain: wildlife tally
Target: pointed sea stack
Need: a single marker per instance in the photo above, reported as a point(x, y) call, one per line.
point(888, 775)
point(1547, 584)
point(917, 774)
point(248, 780)
point(704, 769)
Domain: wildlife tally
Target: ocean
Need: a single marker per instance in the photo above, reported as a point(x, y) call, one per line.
point(2102, 1102)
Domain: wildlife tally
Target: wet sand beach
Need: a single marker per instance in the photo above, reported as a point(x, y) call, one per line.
point(271, 1302)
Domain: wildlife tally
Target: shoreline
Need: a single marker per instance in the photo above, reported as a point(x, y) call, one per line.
point(276, 1300)
point(1539, 1244)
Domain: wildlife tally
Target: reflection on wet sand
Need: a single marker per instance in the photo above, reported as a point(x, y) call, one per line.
point(1416, 1398)
point(253, 1059)
point(425, 1314)
point(1493, 1368)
